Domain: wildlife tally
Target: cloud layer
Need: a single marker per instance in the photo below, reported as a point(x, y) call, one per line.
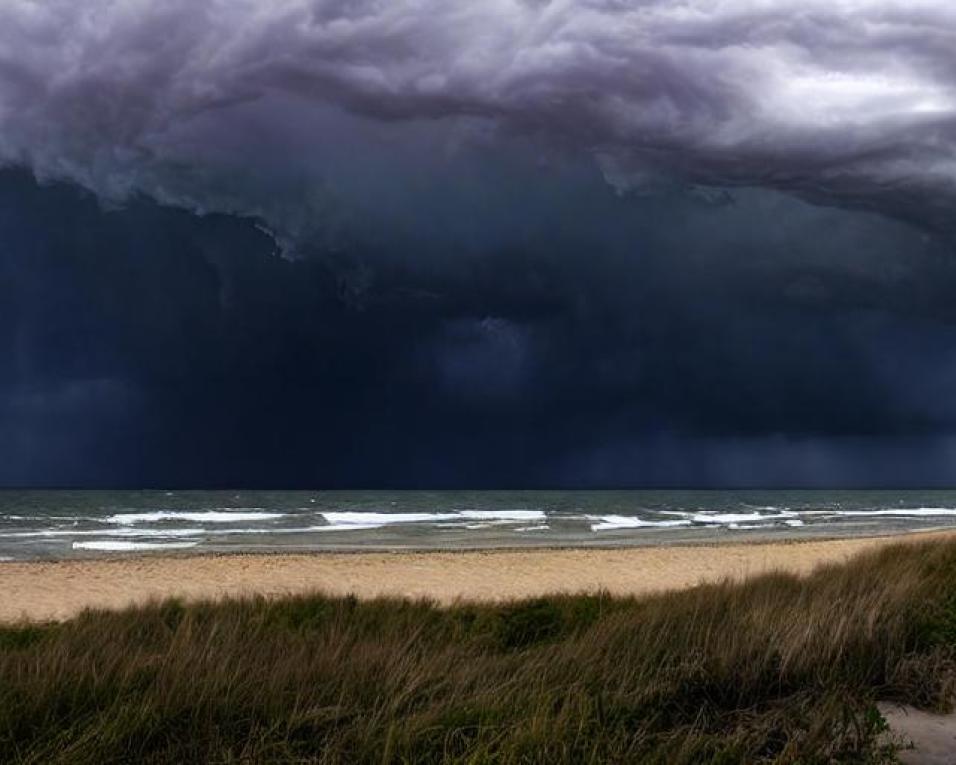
point(271, 108)
point(545, 242)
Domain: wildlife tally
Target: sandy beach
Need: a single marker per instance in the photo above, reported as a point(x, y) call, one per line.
point(44, 590)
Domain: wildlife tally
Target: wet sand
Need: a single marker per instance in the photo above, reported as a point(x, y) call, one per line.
point(45, 590)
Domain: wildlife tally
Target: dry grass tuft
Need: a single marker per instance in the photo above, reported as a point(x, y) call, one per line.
point(777, 669)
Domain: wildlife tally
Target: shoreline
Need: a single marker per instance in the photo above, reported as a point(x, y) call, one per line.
point(50, 590)
point(648, 540)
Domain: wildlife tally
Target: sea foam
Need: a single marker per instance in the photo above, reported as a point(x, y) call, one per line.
point(903, 512)
point(609, 522)
point(358, 520)
point(193, 516)
point(731, 520)
point(347, 519)
point(110, 545)
point(120, 532)
point(722, 518)
point(503, 515)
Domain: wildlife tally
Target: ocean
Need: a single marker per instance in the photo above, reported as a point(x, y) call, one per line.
point(64, 524)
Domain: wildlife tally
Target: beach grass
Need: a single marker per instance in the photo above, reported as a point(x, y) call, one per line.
point(775, 669)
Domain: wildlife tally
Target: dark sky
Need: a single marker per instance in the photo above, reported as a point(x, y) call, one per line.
point(526, 244)
point(600, 340)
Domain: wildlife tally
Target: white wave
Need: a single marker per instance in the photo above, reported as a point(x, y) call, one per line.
point(504, 515)
point(47, 518)
point(722, 518)
point(121, 532)
point(193, 516)
point(107, 545)
point(347, 527)
point(609, 522)
point(139, 532)
point(543, 527)
point(733, 520)
point(373, 520)
point(355, 520)
point(794, 522)
point(902, 512)
point(745, 526)
point(725, 518)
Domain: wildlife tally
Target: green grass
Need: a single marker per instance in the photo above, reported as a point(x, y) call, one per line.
point(777, 669)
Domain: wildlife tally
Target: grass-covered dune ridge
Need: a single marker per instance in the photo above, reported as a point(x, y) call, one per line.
point(774, 669)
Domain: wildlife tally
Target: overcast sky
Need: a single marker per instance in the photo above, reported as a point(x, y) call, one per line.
point(452, 243)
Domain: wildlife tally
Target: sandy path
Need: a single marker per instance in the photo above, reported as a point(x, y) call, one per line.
point(932, 737)
point(56, 590)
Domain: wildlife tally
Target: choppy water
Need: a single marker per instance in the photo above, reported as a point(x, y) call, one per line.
point(54, 524)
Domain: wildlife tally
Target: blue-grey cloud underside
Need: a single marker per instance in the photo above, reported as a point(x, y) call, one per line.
point(845, 101)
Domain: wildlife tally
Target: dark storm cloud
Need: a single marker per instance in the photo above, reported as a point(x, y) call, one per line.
point(592, 339)
point(272, 109)
point(539, 242)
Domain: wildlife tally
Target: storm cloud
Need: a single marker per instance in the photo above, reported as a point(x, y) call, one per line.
point(526, 243)
point(600, 340)
point(848, 102)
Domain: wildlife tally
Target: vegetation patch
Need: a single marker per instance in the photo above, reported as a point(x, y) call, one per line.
point(775, 669)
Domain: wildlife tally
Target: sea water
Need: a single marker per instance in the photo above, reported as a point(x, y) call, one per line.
point(57, 524)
